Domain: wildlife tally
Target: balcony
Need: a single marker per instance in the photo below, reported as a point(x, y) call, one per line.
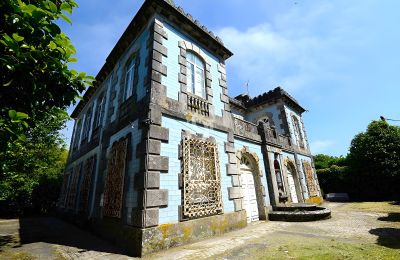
point(246, 129)
point(198, 105)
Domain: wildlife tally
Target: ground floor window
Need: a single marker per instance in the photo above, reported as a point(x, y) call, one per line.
point(201, 178)
point(114, 185)
point(308, 171)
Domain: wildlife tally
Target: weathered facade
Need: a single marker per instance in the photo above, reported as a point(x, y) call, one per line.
point(162, 156)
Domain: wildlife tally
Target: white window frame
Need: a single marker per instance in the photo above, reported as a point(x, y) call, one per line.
point(195, 81)
point(129, 78)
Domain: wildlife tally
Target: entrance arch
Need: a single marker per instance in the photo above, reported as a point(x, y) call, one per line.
point(293, 183)
point(248, 189)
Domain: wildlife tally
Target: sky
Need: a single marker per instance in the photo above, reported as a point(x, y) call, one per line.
point(340, 59)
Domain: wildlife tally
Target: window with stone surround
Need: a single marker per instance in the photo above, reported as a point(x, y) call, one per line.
point(297, 131)
point(201, 191)
point(86, 126)
point(77, 134)
point(308, 172)
point(114, 184)
point(195, 75)
point(129, 78)
point(100, 110)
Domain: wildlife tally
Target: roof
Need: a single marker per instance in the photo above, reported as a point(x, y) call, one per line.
point(175, 14)
point(244, 101)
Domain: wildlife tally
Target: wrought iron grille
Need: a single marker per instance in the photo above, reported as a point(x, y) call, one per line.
point(312, 189)
point(73, 187)
point(85, 187)
point(114, 185)
point(201, 178)
point(64, 190)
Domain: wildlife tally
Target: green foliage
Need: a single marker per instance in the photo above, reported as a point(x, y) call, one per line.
point(36, 85)
point(323, 161)
point(374, 160)
point(29, 166)
point(332, 173)
point(371, 171)
point(34, 73)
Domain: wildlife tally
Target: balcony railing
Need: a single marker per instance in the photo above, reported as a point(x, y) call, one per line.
point(245, 128)
point(198, 105)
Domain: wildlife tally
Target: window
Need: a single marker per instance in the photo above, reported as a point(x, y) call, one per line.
point(101, 105)
point(86, 126)
point(195, 75)
point(279, 179)
point(264, 120)
point(130, 75)
point(201, 178)
point(114, 183)
point(297, 131)
point(77, 133)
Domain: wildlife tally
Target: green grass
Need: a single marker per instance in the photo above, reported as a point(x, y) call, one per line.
point(12, 255)
point(313, 248)
point(381, 207)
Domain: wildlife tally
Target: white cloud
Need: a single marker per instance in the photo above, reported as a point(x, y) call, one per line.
point(320, 146)
point(293, 50)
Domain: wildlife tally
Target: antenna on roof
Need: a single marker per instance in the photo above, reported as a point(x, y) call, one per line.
point(247, 88)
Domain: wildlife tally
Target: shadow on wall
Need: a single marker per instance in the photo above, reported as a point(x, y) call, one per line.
point(387, 237)
point(56, 231)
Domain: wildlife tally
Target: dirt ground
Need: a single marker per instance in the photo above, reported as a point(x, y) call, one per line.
point(356, 230)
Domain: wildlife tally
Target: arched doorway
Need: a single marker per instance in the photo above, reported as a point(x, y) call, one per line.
point(293, 183)
point(248, 187)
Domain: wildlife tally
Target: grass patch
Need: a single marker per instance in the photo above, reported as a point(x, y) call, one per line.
point(10, 255)
point(381, 207)
point(290, 247)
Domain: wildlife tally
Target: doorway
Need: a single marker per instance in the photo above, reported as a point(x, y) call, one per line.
point(248, 189)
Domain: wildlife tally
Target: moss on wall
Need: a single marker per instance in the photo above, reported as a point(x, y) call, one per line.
point(170, 235)
point(315, 200)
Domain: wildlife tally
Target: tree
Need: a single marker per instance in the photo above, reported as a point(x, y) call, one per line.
point(374, 161)
point(36, 86)
point(332, 173)
point(34, 72)
point(33, 168)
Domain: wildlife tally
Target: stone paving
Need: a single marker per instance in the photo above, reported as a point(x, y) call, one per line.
point(50, 238)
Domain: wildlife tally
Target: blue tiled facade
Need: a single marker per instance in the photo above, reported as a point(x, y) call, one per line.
point(169, 180)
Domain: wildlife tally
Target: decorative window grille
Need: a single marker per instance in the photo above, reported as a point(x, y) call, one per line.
point(195, 75)
point(85, 187)
point(73, 187)
point(64, 187)
point(312, 189)
point(114, 185)
point(201, 178)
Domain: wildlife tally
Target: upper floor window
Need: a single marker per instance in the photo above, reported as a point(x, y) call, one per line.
point(101, 105)
point(77, 134)
point(195, 75)
point(129, 78)
point(297, 131)
point(86, 126)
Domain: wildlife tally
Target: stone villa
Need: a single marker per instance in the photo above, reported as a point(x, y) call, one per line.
point(161, 155)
